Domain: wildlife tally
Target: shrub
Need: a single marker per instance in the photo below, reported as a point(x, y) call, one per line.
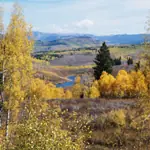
point(117, 117)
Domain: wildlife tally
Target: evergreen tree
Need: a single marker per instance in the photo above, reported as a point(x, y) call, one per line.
point(103, 61)
point(137, 66)
point(129, 61)
point(117, 61)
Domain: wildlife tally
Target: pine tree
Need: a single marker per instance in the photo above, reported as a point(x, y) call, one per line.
point(129, 61)
point(103, 61)
point(117, 61)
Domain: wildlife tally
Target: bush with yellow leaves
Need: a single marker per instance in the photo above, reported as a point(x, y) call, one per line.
point(94, 91)
point(77, 89)
point(106, 83)
point(117, 117)
point(44, 90)
point(68, 94)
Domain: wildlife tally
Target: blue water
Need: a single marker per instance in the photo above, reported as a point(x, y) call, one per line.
point(68, 83)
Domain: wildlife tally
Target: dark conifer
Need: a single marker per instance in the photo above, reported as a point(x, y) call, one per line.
point(103, 61)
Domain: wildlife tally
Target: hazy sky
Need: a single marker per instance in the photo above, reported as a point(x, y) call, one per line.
point(100, 17)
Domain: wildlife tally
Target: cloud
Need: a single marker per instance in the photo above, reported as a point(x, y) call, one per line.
point(71, 16)
point(35, 28)
point(86, 23)
point(73, 27)
point(57, 29)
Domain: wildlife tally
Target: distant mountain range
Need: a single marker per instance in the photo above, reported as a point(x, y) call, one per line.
point(52, 41)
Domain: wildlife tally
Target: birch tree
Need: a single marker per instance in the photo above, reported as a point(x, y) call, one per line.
point(16, 64)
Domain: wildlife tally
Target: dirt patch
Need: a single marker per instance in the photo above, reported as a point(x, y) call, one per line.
point(93, 106)
point(74, 60)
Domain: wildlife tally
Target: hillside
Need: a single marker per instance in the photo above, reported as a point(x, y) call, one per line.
point(47, 41)
point(66, 44)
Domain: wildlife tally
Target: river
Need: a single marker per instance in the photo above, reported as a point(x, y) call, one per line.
point(68, 83)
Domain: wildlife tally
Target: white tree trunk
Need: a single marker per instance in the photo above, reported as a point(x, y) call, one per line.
point(7, 124)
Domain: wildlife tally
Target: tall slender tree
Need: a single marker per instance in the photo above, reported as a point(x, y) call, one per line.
point(1, 41)
point(16, 64)
point(103, 61)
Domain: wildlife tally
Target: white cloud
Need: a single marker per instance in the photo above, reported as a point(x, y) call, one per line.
point(98, 17)
point(57, 29)
point(73, 27)
point(86, 23)
point(35, 28)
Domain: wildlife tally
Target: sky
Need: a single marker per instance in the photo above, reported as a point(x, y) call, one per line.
point(98, 17)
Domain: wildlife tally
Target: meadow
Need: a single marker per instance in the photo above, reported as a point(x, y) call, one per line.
point(61, 64)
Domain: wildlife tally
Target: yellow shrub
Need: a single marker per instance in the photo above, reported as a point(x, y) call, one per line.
point(68, 94)
point(148, 79)
point(94, 92)
point(86, 91)
point(78, 79)
point(117, 117)
point(77, 90)
point(59, 93)
point(45, 91)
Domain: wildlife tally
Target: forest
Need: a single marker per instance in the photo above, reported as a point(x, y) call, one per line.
point(109, 110)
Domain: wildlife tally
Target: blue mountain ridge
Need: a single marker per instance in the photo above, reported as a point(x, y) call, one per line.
point(110, 39)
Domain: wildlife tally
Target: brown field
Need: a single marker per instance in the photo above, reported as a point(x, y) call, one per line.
point(96, 108)
point(93, 107)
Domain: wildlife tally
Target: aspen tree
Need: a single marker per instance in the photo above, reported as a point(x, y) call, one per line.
point(139, 86)
point(106, 83)
point(123, 84)
point(16, 64)
point(77, 89)
point(68, 94)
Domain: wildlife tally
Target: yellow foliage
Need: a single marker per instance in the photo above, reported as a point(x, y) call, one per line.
point(15, 60)
point(45, 91)
point(77, 90)
point(123, 84)
point(133, 84)
point(139, 86)
point(117, 117)
point(86, 92)
point(106, 83)
point(96, 84)
point(78, 79)
point(94, 92)
point(59, 93)
point(148, 79)
point(68, 94)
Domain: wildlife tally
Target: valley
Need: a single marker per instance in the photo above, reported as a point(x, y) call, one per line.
point(78, 78)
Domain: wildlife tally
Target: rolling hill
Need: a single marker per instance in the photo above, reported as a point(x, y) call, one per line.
point(48, 41)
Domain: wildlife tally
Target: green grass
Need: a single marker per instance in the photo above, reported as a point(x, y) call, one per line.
point(123, 52)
